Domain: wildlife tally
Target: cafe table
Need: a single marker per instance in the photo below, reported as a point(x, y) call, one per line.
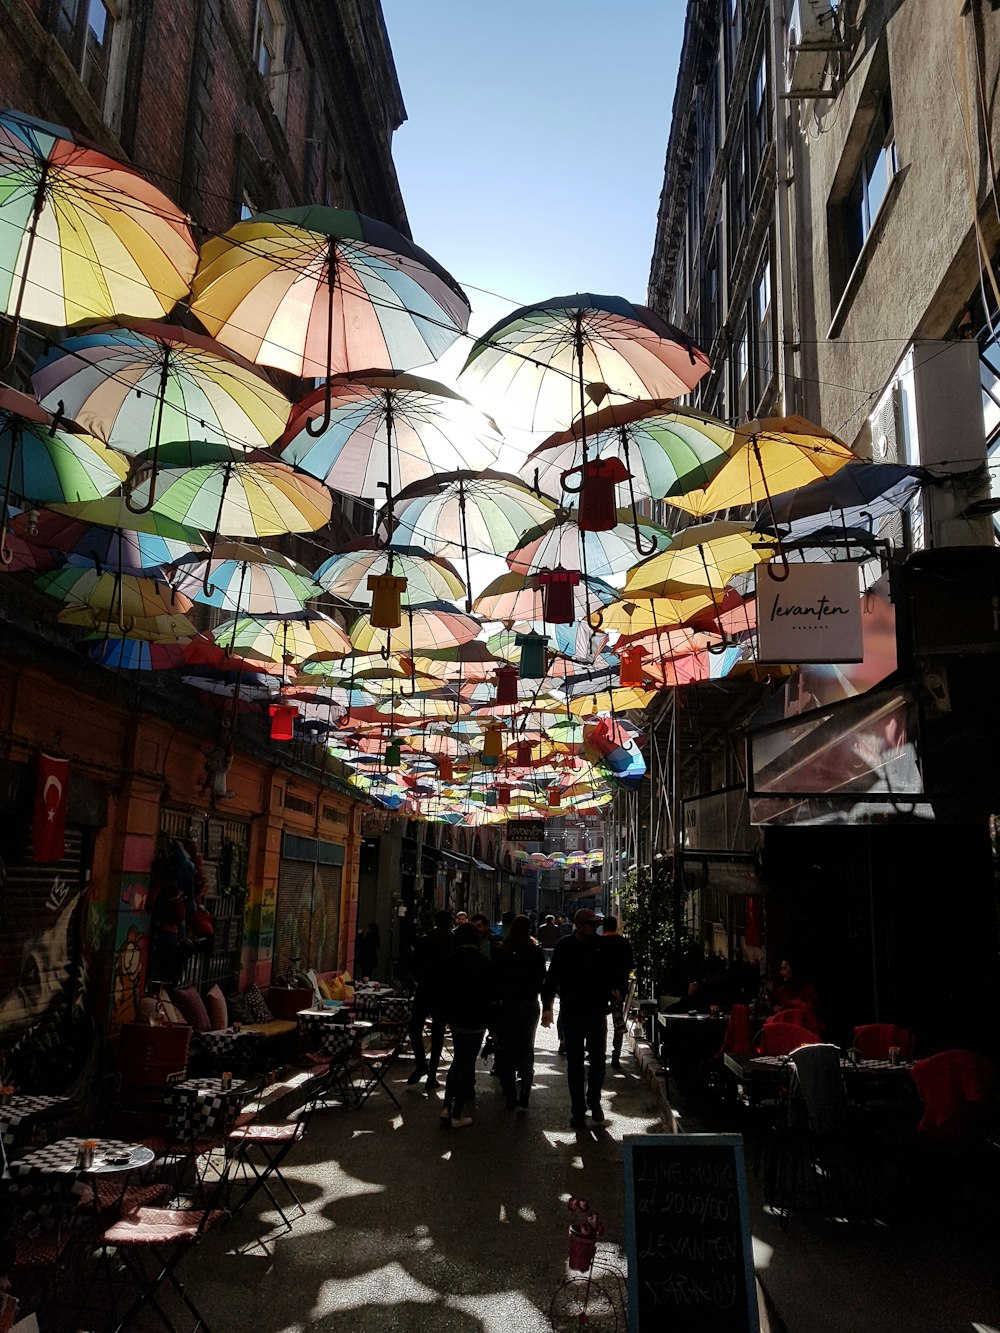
point(204, 1108)
point(766, 1072)
point(61, 1160)
point(21, 1112)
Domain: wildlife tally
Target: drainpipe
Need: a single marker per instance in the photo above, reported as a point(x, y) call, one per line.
point(784, 268)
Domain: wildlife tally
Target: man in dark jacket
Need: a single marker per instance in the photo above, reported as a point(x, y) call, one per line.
point(430, 958)
point(620, 960)
point(579, 975)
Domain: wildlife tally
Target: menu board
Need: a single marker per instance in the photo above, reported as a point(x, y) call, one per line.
point(687, 1226)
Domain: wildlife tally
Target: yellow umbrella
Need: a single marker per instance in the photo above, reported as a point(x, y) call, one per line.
point(770, 455)
point(703, 557)
point(642, 615)
point(608, 701)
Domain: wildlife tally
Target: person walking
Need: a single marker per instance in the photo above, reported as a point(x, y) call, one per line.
point(430, 961)
point(548, 937)
point(519, 970)
point(620, 961)
point(467, 1002)
point(578, 974)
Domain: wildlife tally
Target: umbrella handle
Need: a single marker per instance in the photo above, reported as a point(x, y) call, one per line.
point(596, 619)
point(6, 554)
point(571, 472)
point(317, 426)
point(144, 509)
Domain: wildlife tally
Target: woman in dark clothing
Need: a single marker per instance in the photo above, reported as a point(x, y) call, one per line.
point(519, 970)
point(467, 1001)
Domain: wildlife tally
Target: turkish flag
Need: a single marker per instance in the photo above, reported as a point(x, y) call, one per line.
point(48, 829)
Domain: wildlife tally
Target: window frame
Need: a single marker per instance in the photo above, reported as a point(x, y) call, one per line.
point(275, 76)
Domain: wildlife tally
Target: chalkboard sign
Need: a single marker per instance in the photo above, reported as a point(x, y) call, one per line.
point(687, 1226)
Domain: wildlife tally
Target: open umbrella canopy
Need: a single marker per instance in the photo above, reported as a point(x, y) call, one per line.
point(667, 449)
point(244, 579)
point(284, 638)
point(429, 578)
point(769, 456)
point(561, 542)
point(511, 597)
point(318, 291)
point(95, 600)
point(454, 512)
point(705, 556)
point(84, 237)
point(610, 701)
point(79, 542)
point(42, 461)
point(221, 490)
point(854, 497)
point(639, 615)
point(380, 429)
point(534, 365)
point(136, 385)
point(438, 626)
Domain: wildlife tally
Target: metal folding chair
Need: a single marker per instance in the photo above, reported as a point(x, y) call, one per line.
point(256, 1152)
point(383, 1049)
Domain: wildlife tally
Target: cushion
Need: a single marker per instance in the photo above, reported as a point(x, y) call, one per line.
point(257, 1005)
point(239, 1010)
point(336, 989)
point(218, 1011)
point(192, 1007)
point(324, 989)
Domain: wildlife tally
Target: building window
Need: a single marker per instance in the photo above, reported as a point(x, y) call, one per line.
point(247, 207)
point(270, 37)
point(737, 195)
point(90, 32)
point(763, 319)
point(870, 185)
point(760, 134)
point(741, 371)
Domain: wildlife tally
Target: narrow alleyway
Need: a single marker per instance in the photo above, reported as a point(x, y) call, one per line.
point(414, 1227)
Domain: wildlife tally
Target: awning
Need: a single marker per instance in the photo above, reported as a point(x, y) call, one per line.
point(482, 865)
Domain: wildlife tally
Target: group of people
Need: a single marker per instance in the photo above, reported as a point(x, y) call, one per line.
point(473, 984)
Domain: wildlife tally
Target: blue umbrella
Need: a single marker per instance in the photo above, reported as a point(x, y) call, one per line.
point(854, 497)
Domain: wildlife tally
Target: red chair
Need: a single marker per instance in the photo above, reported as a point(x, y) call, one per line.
point(957, 1088)
point(872, 1041)
point(783, 1038)
point(805, 1018)
point(737, 1040)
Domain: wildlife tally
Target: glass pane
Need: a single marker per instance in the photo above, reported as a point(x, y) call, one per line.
point(97, 21)
point(878, 184)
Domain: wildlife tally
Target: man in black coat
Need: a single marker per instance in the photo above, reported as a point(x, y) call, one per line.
point(580, 976)
point(620, 961)
point(430, 959)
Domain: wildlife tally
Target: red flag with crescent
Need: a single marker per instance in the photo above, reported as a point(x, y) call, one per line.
point(48, 830)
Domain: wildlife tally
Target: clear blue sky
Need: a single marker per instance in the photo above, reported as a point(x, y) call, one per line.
point(531, 162)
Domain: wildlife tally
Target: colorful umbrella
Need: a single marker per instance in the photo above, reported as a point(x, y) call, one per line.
point(437, 626)
point(702, 557)
point(374, 433)
point(543, 363)
point(855, 497)
point(511, 597)
point(84, 237)
point(610, 701)
point(428, 577)
point(97, 600)
point(78, 542)
point(639, 615)
point(769, 456)
point(453, 513)
point(319, 291)
point(245, 580)
point(284, 638)
point(561, 541)
point(666, 449)
point(145, 384)
point(222, 490)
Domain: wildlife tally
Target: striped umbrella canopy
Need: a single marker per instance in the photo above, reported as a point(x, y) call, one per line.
point(666, 449)
point(428, 577)
point(440, 625)
point(383, 431)
point(453, 513)
point(630, 616)
point(85, 237)
point(284, 638)
point(244, 579)
point(318, 291)
point(687, 668)
point(97, 600)
point(227, 491)
point(611, 701)
point(536, 364)
point(80, 541)
point(771, 455)
point(511, 597)
point(604, 555)
point(137, 655)
point(704, 557)
point(143, 384)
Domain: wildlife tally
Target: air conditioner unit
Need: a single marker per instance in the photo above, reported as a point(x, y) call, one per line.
point(813, 33)
point(887, 427)
point(893, 441)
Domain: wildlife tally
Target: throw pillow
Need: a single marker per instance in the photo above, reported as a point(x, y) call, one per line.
point(218, 1013)
point(239, 1010)
point(324, 989)
point(257, 1005)
point(192, 1007)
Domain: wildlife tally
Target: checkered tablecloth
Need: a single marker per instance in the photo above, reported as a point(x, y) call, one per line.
point(64, 1154)
point(224, 1041)
point(203, 1108)
point(21, 1109)
point(338, 1039)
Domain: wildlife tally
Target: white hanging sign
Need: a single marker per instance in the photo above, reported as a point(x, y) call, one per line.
point(814, 615)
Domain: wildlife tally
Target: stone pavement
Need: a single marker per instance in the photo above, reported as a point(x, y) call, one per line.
point(412, 1227)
